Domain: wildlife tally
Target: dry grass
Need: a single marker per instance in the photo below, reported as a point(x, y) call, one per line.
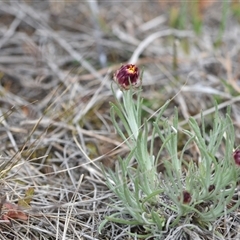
point(55, 68)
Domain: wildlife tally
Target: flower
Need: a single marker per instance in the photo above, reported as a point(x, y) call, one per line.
point(211, 188)
point(186, 197)
point(126, 76)
point(236, 157)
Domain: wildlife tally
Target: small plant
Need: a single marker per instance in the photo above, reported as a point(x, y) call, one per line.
point(195, 192)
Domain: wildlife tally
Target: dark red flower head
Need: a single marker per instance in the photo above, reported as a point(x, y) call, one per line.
point(211, 188)
point(236, 156)
point(186, 197)
point(126, 76)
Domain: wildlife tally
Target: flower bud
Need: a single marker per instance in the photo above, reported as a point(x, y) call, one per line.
point(186, 197)
point(211, 188)
point(126, 76)
point(236, 157)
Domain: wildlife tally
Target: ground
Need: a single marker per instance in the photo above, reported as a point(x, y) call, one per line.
point(56, 66)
